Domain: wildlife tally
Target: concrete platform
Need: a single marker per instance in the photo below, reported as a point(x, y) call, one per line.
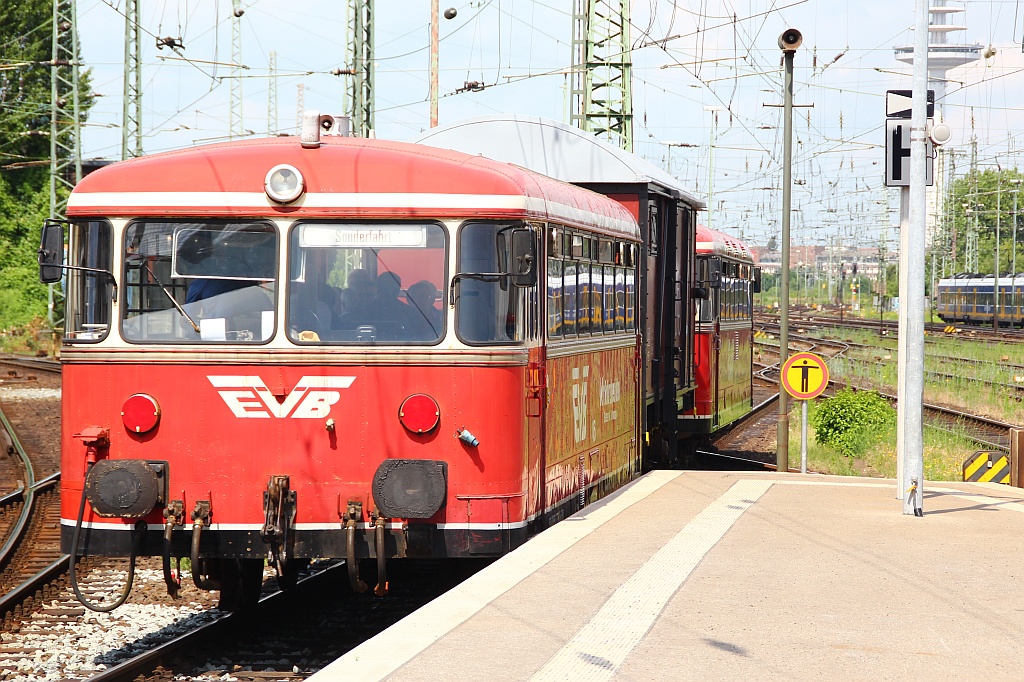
point(698, 575)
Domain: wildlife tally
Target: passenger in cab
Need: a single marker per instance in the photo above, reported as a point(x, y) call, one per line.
point(427, 321)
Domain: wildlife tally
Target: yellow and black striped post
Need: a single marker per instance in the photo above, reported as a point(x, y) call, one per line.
point(984, 466)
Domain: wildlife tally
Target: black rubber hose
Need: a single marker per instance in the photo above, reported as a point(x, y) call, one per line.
point(201, 583)
point(382, 562)
point(74, 555)
point(173, 584)
point(350, 558)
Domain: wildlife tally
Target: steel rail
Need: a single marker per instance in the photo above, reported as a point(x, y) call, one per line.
point(144, 663)
point(28, 493)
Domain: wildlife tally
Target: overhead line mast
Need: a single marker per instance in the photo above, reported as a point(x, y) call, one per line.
point(359, 97)
point(602, 70)
point(236, 128)
point(65, 127)
point(131, 115)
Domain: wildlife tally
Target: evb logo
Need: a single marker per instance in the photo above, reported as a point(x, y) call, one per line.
point(249, 398)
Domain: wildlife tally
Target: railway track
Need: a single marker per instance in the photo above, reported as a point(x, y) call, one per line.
point(827, 319)
point(292, 634)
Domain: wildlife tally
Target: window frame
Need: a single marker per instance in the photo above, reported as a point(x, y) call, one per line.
point(383, 223)
point(123, 307)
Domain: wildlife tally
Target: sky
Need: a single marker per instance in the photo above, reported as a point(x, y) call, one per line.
point(703, 73)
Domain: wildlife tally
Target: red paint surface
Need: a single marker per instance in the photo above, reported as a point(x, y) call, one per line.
point(213, 453)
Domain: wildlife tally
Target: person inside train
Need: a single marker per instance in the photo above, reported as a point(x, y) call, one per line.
point(358, 294)
point(388, 307)
point(238, 301)
point(427, 322)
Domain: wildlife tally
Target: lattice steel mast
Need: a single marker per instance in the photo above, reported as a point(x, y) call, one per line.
point(272, 96)
point(602, 99)
point(235, 127)
point(359, 96)
point(65, 127)
point(131, 115)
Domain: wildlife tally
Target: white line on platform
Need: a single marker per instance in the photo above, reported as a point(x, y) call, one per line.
point(601, 646)
point(1002, 503)
point(380, 656)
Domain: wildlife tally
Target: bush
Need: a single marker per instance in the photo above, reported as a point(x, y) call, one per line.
point(850, 421)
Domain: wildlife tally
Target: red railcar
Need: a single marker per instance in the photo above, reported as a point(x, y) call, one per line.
point(339, 348)
point(694, 285)
point(723, 332)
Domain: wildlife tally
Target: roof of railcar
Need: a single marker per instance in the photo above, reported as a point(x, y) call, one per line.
point(344, 177)
point(974, 280)
point(717, 243)
point(553, 149)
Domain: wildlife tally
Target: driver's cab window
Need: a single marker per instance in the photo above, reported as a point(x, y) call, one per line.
point(199, 282)
point(490, 309)
point(705, 306)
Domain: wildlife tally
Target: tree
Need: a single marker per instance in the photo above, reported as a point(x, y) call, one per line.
point(25, 53)
point(982, 200)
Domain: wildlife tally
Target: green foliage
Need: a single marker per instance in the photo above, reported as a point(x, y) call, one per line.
point(26, 33)
point(850, 421)
point(22, 210)
point(983, 200)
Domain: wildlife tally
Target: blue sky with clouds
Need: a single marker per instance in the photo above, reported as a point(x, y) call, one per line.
point(718, 55)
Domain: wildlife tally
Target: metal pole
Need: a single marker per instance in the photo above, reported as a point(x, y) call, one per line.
point(999, 215)
point(433, 62)
point(803, 436)
point(902, 335)
point(711, 170)
point(782, 429)
point(910, 408)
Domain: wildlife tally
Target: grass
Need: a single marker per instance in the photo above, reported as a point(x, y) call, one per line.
point(944, 453)
point(32, 339)
point(878, 368)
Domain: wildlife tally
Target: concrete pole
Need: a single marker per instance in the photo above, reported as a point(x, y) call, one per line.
point(911, 408)
point(782, 429)
point(433, 62)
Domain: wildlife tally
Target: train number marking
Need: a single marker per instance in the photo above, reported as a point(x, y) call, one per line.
point(249, 398)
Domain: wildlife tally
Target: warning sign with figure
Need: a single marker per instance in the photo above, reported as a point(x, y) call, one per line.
point(804, 376)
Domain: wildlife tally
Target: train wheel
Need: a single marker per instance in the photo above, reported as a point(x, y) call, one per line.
point(241, 582)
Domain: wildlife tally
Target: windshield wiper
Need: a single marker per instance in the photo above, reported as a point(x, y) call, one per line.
point(136, 259)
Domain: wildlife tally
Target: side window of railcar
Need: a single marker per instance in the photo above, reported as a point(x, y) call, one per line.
point(705, 306)
point(591, 285)
point(489, 309)
point(88, 294)
point(368, 283)
point(199, 282)
point(554, 298)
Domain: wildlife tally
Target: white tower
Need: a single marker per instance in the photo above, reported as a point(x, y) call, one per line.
point(942, 57)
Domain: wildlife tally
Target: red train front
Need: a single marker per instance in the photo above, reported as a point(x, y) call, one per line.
point(336, 350)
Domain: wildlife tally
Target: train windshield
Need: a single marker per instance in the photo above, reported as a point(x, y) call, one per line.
point(199, 282)
point(367, 283)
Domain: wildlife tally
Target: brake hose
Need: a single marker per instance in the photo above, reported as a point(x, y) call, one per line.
point(74, 554)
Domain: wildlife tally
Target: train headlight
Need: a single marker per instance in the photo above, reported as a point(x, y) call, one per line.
point(284, 183)
point(140, 413)
point(419, 413)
